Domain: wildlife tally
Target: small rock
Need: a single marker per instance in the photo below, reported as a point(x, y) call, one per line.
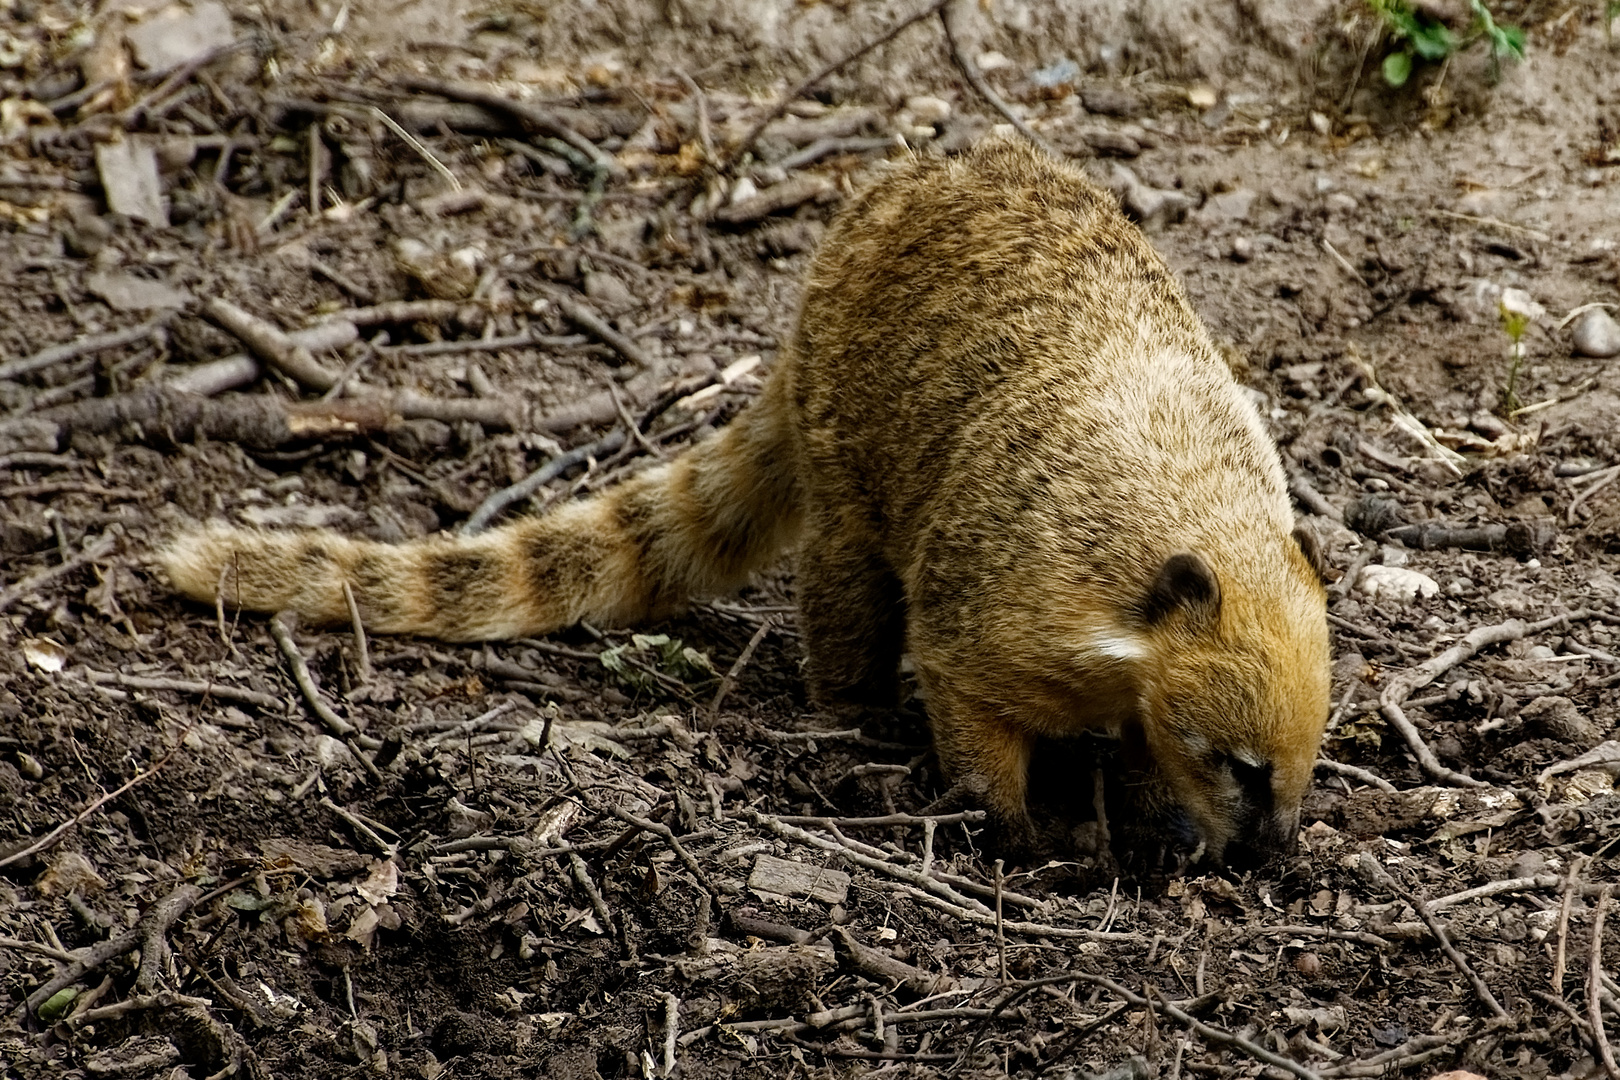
point(1113, 101)
point(1321, 124)
point(1341, 202)
point(1227, 206)
point(609, 292)
point(1113, 143)
point(1396, 583)
point(1488, 424)
point(1202, 97)
point(176, 36)
point(927, 109)
point(1559, 718)
point(1596, 334)
point(129, 177)
point(126, 292)
point(1242, 249)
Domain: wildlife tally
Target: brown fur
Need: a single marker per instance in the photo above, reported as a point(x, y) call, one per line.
point(1002, 440)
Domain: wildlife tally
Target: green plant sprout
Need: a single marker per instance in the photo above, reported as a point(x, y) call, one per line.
point(1427, 38)
point(1518, 311)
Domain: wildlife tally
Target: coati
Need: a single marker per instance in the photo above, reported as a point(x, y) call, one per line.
point(999, 438)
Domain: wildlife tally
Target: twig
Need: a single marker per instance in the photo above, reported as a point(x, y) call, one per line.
point(672, 1031)
point(220, 691)
point(153, 929)
point(1495, 223)
point(700, 104)
point(582, 875)
point(730, 678)
point(971, 817)
point(498, 501)
point(1001, 939)
point(35, 947)
point(1565, 903)
point(271, 345)
point(96, 549)
point(421, 151)
point(665, 833)
point(951, 15)
point(527, 112)
point(1375, 870)
point(587, 319)
point(1356, 773)
point(793, 95)
point(1399, 688)
point(146, 934)
point(1307, 496)
point(364, 830)
point(1343, 262)
point(1341, 588)
point(362, 652)
point(338, 726)
point(824, 147)
point(1594, 983)
point(72, 350)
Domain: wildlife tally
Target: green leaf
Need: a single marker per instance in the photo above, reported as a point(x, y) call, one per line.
point(1434, 42)
point(1397, 68)
point(56, 1006)
point(1508, 41)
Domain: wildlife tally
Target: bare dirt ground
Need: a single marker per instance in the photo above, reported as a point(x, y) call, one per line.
point(642, 853)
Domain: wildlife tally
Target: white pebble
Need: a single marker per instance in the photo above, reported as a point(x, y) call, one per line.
point(927, 109)
point(1396, 583)
point(1596, 334)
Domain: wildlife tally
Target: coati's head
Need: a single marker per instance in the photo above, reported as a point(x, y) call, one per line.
point(1236, 698)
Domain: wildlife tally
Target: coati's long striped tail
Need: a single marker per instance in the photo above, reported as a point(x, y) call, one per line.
point(692, 528)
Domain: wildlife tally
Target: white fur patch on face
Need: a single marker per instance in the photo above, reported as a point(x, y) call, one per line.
point(1116, 647)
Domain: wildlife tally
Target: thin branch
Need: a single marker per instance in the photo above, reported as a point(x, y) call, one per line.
point(1399, 688)
point(1594, 985)
point(951, 14)
point(72, 350)
point(799, 91)
point(1375, 870)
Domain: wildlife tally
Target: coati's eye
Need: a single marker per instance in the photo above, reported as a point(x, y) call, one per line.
point(1252, 778)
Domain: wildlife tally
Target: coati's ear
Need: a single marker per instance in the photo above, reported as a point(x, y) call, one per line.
point(1305, 537)
point(1185, 583)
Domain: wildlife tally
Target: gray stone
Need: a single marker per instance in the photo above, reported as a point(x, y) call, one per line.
point(1596, 334)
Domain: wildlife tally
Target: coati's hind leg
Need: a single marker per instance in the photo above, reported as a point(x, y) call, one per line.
point(851, 613)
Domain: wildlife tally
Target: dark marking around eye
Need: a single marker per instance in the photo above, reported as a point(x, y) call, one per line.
point(1253, 780)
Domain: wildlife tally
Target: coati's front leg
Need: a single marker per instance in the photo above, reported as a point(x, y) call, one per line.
point(851, 612)
point(986, 756)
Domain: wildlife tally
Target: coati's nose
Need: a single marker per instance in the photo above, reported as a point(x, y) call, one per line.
point(1264, 838)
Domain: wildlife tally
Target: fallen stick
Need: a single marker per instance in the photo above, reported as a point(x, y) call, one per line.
point(1594, 983)
point(186, 686)
point(345, 731)
point(587, 319)
point(951, 14)
point(529, 113)
point(793, 95)
point(1374, 869)
point(1399, 688)
point(57, 833)
point(71, 350)
point(152, 927)
point(96, 549)
point(271, 345)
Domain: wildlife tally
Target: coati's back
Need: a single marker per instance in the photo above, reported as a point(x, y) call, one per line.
point(997, 359)
point(1000, 438)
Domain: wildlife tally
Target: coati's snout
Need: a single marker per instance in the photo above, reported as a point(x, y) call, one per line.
point(1231, 722)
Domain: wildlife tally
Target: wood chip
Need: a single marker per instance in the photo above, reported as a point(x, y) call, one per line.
point(786, 878)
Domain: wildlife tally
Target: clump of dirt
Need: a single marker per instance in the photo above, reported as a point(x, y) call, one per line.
point(461, 243)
